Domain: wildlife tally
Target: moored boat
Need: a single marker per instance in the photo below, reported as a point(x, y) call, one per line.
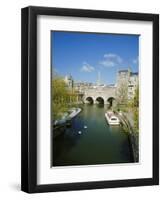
point(111, 118)
point(74, 112)
point(66, 119)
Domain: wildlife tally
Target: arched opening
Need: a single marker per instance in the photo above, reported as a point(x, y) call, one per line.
point(89, 100)
point(99, 100)
point(111, 101)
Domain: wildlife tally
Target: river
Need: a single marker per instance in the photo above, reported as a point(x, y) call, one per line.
point(90, 141)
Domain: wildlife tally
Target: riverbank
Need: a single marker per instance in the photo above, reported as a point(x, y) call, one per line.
point(128, 123)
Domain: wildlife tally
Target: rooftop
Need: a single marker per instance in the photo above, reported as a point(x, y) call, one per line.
point(125, 70)
point(134, 73)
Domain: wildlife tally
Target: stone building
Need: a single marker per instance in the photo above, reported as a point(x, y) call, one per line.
point(127, 82)
point(82, 86)
point(69, 81)
point(133, 84)
point(128, 79)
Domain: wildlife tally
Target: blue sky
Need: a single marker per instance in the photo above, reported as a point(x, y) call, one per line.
point(83, 55)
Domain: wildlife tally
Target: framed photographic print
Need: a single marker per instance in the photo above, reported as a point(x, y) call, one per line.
point(90, 99)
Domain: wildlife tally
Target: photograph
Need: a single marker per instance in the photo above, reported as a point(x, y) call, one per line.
point(94, 98)
point(89, 99)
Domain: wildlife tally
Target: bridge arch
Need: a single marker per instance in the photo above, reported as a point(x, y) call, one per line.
point(111, 101)
point(89, 100)
point(100, 100)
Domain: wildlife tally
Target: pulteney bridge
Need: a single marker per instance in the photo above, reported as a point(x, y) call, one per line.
point(100, 95)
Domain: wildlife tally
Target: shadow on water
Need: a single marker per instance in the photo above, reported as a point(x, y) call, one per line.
point(90, 141)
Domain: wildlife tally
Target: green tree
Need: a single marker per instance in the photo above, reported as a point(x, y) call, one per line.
point(135, 106)
point(122, 96)
point(136, 98)
point(60, 97)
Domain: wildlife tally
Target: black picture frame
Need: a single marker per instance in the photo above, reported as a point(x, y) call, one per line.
point(29, 99)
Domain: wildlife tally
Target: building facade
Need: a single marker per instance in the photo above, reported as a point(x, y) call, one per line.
point(69, 81)
point(126, 85)
point(128, 79)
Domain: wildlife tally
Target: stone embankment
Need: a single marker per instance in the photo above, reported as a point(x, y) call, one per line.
point(127, 123)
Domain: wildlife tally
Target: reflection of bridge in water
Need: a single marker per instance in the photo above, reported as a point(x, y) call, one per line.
point(100, 95)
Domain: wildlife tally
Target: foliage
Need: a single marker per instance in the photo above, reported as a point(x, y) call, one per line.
point(62, 97)
point(136, 98)
point(135, 107)
point(128, 106)
point(136, 119)
point(59, 96)
point(122, 93)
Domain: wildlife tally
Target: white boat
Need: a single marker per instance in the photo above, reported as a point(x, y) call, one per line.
point(59, 122)
point(74, 112)
point(67, 117)
point(111, 118)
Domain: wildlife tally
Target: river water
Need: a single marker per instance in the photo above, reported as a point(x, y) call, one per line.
point(90, 141)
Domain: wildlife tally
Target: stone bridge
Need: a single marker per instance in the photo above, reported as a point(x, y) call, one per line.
point(103, 95)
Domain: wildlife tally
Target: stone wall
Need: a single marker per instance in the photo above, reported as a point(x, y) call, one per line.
point(133, 137)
